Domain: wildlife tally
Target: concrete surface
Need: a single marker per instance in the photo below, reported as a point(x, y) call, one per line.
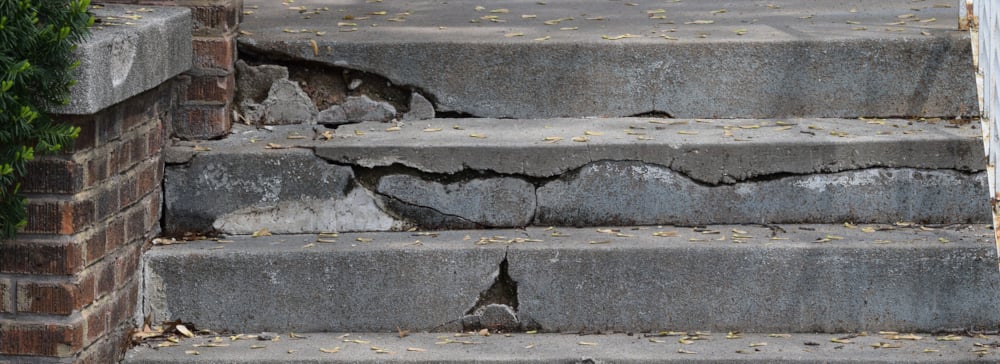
point(782, 58)
point(467, 173)
point(554, 348)
point(803, 278)
point(131, 50)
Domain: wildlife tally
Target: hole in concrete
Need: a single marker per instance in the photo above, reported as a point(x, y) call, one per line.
point(653, 114)
point(502, 292)
point(454, 115)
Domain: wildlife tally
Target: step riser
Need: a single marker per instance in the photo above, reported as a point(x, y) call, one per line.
point(293, 191)
point(913, 282)
point(930, 76)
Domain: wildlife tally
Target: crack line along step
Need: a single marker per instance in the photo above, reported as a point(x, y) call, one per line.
point(785, 58)
point(474, 173)
point(554, 348)
point(785, 278)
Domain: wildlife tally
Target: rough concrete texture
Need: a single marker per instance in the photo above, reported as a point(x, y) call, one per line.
point(333, 116)
point(254, 82)
point(634, 193)
point(589, 349)
point(708, 151)
point(362, 108)
point(786, 58)
point(483, 202)
point(420, 108)
point(238, 191)
point(124, 57)
point(750, 171)
point(286, 103)
point(280, 283)
point(788, 278)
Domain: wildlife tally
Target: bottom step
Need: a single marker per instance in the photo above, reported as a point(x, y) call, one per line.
point(788, 278)
point(571, 348)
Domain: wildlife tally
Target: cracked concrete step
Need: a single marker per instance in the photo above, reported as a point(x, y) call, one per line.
point(473, 173)
point(790, 58)
point(586, 349)
point(788, 278)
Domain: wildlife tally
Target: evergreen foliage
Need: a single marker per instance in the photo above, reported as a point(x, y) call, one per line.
point(36, 43)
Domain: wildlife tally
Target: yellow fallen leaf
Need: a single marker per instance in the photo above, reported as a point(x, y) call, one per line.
point(580, 139)
point(315, 47)
point(840, 341)
point(664, 234)
point(622, 36)
point(587, 343)
point(949, 338)
point(784, 336)
point(272, 146)
point(754, 345)
point(701, 22)
point(552, 139)
point(543, 38)
point(192, 352)
point(359, 132)
point(419, 350)
point(682, 351)
point(514, 34)
point(500, 11)
point(365, 240)
point(261, 232)
point(687, 132)
point(378, 13)
point(330, 351)
point(478, 136)
point(257, 346)
point(592, 133)
point(432, 130)
point(393, 128)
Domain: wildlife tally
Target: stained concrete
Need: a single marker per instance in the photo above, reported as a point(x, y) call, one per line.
point(786, 278)
point(124, 57)
point(556, 348)
point(687, 59)
point(486, 202)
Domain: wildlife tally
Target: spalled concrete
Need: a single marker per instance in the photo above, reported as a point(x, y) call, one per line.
point(584, 349)
point(464, 173)
point(287, 190)
point(286, 103)
point(787, 278)
point(124, 56)
point(634, 193)
point(688, 59)
point(482, 202)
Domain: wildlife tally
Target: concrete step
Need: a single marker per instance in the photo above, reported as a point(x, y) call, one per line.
point(557, 348)
point(781, 278)
point(475, 173)
point(690, 59)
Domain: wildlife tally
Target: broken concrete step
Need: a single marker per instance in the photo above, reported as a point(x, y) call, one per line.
point(686, 59)
point(716, 347)
point(474, 173)
point(781, 278)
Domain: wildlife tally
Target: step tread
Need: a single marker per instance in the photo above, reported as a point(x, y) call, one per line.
point(737, 149)
point(572, 348)
point(824, 278)
point(804, 58)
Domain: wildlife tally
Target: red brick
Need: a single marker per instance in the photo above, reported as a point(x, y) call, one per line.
point(96, 317)
point(107, 201)
point(153, 214)
point(6, 296)
point(202, 122)
point(128, 190)
point(155, 142)
point(104, 273)
point(53, 176)
point(208, 89)
point(109, 126)
point(137, 148)
point(116, 234)
point(97, 170)
point(35, 257)
point(59, 217)
point(135, 223)
point(61, 340)
point(146, 180)
point(54, 298)
point(95, 246)
point(127, 265)
point(124, 303)
point(214, 53)
point(216, 19)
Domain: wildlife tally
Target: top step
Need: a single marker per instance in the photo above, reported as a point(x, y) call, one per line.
point(686, 59)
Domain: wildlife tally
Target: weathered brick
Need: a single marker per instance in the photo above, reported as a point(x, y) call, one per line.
point(60, 340)
point(54, 298)
point(59, 217)
point(137, 149)
point(107, 201)
point(135, 223)
point(52, 175)
point(109, 128)
point(155, 142)
point(214, 53)
point(116, 234)
point(146, 181)
point(216, 19)
point(97, 170)
point(154, 211)
point(96, 317)
point(207, 89)
point(124, 303)
point(202, 122)
point(104, 273)
point(95, 246)
point(128, 190)
point(36, 257)
point(6, 296)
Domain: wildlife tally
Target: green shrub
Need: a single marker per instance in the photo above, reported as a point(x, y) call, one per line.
point(36, 43)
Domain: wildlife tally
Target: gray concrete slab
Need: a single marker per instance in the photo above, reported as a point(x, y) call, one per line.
point(790, 278)
point(468, 173)
point(132, 49)
point(782, 58)
point(554, 348)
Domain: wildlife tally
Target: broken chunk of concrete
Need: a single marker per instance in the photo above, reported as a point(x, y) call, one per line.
point(420, 108)
point(334, 115)
point(496, 316)
point(286, 103)
point(254, 82)
point(362, 108)
point(249, 112)
point(499, 201)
